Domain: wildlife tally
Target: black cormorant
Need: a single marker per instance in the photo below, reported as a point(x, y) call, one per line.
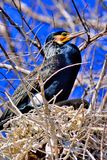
point(59, 71)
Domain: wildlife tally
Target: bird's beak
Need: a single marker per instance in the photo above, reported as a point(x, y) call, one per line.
point(74, 35)
point(60, 39)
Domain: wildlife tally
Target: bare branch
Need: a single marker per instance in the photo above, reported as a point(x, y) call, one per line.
point(94, 38)
point(9, 67)
point(13, 107)
point(85, 27)
point(98, 86)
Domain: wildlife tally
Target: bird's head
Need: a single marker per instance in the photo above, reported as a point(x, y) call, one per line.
point(62, 37)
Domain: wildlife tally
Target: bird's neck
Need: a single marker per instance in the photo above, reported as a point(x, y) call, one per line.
point(51, 49)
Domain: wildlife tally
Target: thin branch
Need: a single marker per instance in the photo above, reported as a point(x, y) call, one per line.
point(9, 67)
point(66, 15)
point(10, 42)
point(90, 155)
point(90, 40)
point(102, 143)
point(86, 28)
point(98, 86)
point(7, 80)
point(13, 108)
point(69, 66)
point(104, 101)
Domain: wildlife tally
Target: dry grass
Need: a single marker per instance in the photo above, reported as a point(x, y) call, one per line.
point(64, 133)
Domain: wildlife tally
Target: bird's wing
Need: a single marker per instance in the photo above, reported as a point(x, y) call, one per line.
point(50, 66)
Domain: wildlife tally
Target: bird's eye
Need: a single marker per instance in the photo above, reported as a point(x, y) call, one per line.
point(64, 34)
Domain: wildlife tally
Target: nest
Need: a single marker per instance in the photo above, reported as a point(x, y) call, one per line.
point(54, 132)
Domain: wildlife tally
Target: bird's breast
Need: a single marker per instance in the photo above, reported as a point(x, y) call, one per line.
point(71, 53)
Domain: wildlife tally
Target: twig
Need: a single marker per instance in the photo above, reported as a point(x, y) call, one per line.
point(102, 143)
point(10, 42)
point(104, 101)
point(9, 67)
point(13, 108)
point(89, 41)
point(87, 141)
point(66, 15)
point(98, 86)
point(50, 123)
point(86, 29)
point(69, 66)
point(91, 156)
point(7, 80)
